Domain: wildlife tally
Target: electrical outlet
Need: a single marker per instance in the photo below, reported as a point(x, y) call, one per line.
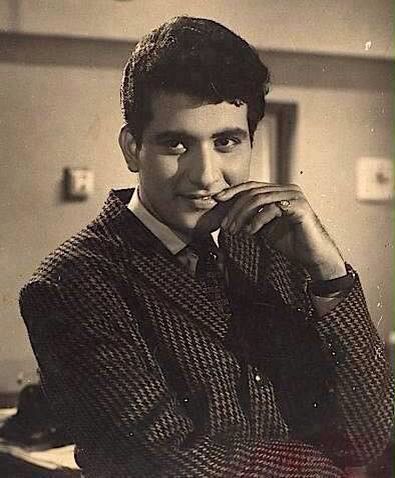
point(375, 179)
point(79, 183)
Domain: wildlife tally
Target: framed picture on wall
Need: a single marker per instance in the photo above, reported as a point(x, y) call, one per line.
point(273, 141)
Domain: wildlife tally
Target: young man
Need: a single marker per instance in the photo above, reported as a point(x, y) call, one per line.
point(169, 355)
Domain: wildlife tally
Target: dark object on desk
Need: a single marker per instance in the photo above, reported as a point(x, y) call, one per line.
point(33, 425)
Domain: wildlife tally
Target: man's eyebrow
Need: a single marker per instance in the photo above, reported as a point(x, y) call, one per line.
point(183, 134)
point(178, 133)
point(239, 132)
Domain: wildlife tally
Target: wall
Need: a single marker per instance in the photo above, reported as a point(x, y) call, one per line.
point(320, 26)
point(59, 103)
point(53, 115)
point(345, 112)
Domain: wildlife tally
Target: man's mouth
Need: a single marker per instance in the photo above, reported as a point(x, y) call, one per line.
point(201, 201)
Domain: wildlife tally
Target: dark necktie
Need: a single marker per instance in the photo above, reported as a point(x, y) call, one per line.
point(207, 267)
point(208, 272)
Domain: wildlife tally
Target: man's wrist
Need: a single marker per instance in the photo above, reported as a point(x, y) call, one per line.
point(333, 287)
point(328, 271)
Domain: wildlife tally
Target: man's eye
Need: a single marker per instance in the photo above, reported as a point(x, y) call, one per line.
point(173, 146)
point(226, 144)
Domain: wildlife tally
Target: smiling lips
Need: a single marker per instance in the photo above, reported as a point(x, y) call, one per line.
point(200, 201)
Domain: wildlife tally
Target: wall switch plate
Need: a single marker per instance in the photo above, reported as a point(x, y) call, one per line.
point(79, 183)
point(375, 179)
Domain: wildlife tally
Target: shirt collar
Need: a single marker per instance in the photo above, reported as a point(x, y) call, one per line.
point(173, 242)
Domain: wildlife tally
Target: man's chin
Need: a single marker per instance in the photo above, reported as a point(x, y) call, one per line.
point(211, 220)
point(189, 224)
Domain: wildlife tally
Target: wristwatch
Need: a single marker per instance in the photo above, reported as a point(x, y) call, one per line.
point(333, 287)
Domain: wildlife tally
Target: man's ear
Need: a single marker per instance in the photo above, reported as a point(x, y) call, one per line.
point(129, 148)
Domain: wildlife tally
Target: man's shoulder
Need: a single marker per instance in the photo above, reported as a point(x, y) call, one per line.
point(81, 251)
point(91, 267)
point(87, 251)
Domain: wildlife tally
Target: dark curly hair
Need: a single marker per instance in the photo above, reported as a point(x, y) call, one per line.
point(198, 57)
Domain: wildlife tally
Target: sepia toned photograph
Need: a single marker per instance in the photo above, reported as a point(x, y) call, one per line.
point(196, 239)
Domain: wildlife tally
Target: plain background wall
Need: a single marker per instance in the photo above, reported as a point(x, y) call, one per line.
point(60, 108)
point(323, 26)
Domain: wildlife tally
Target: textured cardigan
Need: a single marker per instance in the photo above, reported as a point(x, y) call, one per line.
point(153, 380)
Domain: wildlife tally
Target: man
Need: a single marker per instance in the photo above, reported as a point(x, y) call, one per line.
point(171, 356)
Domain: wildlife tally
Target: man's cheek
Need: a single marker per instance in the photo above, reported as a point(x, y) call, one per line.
point(238, 176)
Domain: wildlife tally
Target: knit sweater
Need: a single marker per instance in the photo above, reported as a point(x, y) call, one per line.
point(154, 380)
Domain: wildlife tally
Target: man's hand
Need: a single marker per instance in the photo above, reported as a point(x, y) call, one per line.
point(284, 215)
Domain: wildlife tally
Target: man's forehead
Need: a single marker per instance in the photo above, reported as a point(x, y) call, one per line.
point(183, 99)
point(180, 111)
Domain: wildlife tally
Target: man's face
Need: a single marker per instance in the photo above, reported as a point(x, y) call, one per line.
point(190, 151)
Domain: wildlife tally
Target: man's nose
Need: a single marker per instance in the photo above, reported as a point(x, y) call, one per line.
point(203, 166)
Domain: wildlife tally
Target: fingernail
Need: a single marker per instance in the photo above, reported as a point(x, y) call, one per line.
point(224, 223)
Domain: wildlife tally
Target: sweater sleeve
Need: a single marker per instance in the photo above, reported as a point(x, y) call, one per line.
point(335, 380)
point(363, 380)
point(359, 387)
point(107, 387)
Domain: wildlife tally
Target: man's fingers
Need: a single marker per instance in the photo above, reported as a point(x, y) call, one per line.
point(250, 187)
point(241, 213)
point(247, 204)
point(265, 215)
point(230, 192)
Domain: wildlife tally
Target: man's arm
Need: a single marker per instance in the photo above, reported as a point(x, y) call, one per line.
point(363, 379)
point(103, 381)
point(358, 376)
point(332, 379)
point(282, 216)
